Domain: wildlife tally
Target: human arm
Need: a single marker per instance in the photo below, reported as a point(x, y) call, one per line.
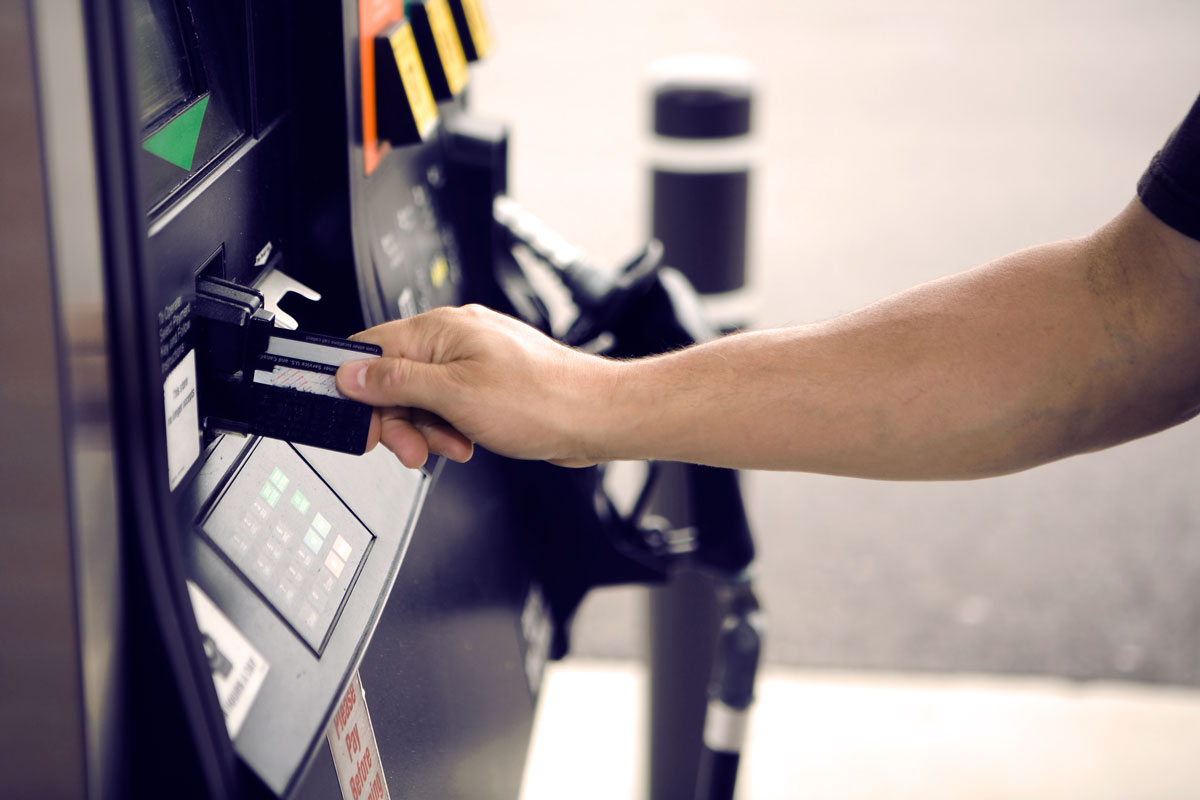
point(1062, 349)
point(1057, 350)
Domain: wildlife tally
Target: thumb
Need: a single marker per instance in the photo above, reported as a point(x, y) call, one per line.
point(387, 381)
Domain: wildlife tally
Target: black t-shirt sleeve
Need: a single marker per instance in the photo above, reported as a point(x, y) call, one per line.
point(1170, 187)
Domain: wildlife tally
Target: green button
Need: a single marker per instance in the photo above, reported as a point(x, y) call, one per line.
point(265, 492)
point(280, 480)
point(273, 498)
point(301, 503)
point(321, 525)
point(313, 541)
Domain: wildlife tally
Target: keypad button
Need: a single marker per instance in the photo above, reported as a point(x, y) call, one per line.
point(301, 503)
point(264, 566)
point(321, 525)
point(313, 542)
point(287, 593)
point(280, 480)
point(274, 549)
point(284, 534)
point(342, 548)
point(334, 564)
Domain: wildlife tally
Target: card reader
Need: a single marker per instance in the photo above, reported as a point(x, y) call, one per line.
point(258, 378)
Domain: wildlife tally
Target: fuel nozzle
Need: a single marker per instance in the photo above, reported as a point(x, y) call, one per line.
point(600, 295)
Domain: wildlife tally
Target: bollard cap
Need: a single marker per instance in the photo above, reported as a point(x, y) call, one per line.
point(701, 96)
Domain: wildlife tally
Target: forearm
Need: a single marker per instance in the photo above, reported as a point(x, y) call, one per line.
point(1046, 353)
point(1054, 351)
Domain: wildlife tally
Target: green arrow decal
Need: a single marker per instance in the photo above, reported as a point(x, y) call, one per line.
point(176, 141)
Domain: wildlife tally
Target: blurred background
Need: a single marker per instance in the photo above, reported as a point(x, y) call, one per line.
point(898, 142)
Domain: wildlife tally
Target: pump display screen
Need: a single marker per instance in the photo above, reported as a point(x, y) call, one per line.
point(165, 79)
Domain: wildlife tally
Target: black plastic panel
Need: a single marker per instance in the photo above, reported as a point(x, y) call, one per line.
point(411, 245)
point(445, 675)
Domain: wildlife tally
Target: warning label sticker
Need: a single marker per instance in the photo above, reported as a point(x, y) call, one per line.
point(183, 418)
point(355, 754)
point(238, 669)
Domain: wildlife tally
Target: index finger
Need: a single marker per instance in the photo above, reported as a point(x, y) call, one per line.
point(407, 338)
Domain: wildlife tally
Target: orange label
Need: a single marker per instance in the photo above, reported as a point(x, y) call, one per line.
point(373, 17)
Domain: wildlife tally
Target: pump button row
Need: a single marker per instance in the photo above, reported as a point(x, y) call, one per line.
point(419, 52)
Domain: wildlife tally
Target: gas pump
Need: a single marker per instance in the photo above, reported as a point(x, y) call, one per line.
point(230, 190)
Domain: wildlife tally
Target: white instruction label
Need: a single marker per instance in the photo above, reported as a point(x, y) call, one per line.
point(238, 669)
point(355, 754)
point(183, 419)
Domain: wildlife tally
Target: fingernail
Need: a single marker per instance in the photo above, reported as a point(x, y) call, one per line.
point(356, 374)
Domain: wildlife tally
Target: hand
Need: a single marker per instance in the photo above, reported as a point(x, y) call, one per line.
point(455, 376)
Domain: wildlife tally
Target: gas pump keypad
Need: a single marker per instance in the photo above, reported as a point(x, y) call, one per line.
point(291, 537)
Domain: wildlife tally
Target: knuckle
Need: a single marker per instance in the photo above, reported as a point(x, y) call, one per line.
point(441, 313)
point(391, 374)
point(475, 311)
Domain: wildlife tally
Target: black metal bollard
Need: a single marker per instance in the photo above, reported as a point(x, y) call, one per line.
point(700, 168)
point(700, 159)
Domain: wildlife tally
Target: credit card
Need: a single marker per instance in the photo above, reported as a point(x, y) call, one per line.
point(294, 396)
point(298, 374)
point(317, 348)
